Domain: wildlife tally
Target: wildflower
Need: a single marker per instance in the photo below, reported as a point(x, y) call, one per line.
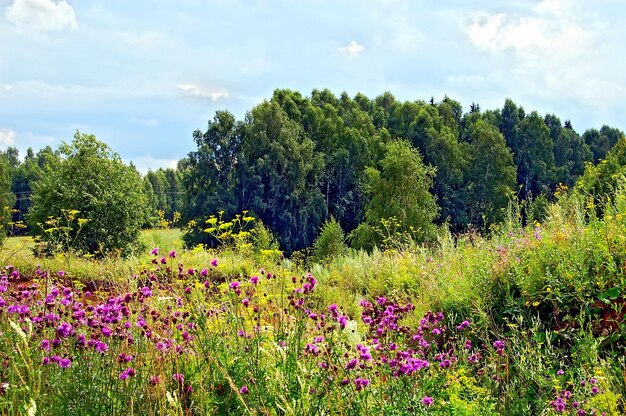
point(499, 346)
point(245, 302)
point(155, 251)
point(204, 272)
point(178, 377)
point(191, 271)
point(172, 254)
point(595, 390)
point(361, 383)
point(214, 263)
point(342, 320)
point(154, 380)
point(244, 390)
point(64, 330)
point(45, 345)
point(560, 372)
point(254, 280)
point(581, 412)
point(558, 405)
point(463, 325)
point(129, 372)
point(427, 401)
point(123, 358)
point(65, 362)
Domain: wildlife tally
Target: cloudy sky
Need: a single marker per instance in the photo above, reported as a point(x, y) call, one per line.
point(142, 77)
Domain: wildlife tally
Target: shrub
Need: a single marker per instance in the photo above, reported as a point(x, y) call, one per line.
point(92, 180)
point(331, 242)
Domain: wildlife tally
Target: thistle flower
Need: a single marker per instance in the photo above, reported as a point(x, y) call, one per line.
point(65, 363)
point(214, 263)
point(427, 401)
point(244, 390)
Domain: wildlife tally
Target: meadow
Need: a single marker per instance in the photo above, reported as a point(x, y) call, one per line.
point(527, 321)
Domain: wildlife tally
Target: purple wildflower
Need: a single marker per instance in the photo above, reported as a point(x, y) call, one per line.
point(427, 401)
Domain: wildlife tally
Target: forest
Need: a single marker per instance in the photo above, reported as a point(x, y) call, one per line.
point(297, 162)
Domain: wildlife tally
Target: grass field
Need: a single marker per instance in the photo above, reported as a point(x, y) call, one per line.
point(529, 321)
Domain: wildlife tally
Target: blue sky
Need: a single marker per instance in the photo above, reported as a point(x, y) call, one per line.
point(143, 77)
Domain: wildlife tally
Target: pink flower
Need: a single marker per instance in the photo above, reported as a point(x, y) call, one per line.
point(155, 251)
point(214, 264)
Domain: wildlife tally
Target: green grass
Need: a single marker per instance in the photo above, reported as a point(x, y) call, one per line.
point(553, 294)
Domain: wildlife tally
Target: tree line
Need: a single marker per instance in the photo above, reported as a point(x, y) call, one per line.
point(373, 165)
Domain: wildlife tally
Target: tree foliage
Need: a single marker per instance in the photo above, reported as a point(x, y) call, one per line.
point(91, 179)
point(398, 191)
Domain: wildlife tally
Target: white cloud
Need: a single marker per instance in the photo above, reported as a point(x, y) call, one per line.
point(45, 15)
point(146, 122)
point(549, 51)
point(352, 50)
point(7, 137)
point(201, 91)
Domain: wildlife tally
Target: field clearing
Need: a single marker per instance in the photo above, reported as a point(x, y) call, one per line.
point(471, 325)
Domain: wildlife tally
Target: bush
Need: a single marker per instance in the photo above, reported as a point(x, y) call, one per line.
point(92, 181)
point(331, 242)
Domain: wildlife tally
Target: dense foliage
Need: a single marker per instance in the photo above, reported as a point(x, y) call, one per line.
point(88, 200)
point(294, 161)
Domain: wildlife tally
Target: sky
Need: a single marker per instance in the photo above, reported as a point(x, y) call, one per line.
point(143, 75)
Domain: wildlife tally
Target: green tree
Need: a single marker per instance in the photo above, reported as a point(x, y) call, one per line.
point(399, 192)
point(210, 182)
point(279, 176)
point(534, 156)
point(600, 142)
point(600, 181)
point(92, 179)
point(7, 198)
point(490, 177)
